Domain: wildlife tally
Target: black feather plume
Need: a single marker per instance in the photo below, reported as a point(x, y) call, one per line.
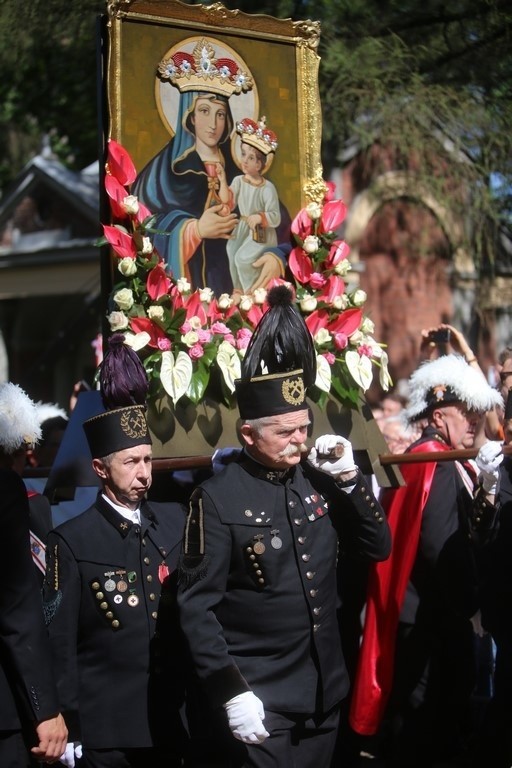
point(281, 341)
point(122, 377)
point(508, 406)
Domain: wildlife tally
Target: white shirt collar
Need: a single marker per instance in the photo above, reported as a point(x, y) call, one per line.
point(133, 515)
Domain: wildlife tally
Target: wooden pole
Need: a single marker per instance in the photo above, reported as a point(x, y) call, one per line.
point(422, 456)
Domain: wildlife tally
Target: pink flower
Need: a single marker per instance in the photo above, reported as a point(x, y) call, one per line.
point(164, 344)
point(317, 280)
point(329, 357)
point(365, 349)
point(230, 339)
point(243, 338)
point(186, 327)
point(196, 352)
point(219, 327)
point(330, 191)
point(340, 340)
point(204, 336)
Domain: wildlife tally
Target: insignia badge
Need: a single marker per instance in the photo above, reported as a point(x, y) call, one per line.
point(293, 391)
point(132, 600)
point(259, 547)
point(122, 586)
point(275, 541)
point(133, 424)
point(118, 599)
point(110, 585)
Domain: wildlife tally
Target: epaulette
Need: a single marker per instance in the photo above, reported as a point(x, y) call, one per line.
point(193, 564)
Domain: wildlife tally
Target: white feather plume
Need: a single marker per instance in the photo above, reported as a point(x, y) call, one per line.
point(19, 422)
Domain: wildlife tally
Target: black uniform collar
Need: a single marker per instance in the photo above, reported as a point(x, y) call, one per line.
point(261, 472)
point(120, 523)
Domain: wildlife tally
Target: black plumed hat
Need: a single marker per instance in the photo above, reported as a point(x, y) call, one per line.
point(123, 387)
point(280, 361)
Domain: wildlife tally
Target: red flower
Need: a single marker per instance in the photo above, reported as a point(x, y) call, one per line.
point(339, 251)
point(302, 225)
point(347, 322)
point(333, 214)
point(316, 320)
point(119, 163)
point(157, 283)
point(333, 287)
point(120, 241)
point(144, 324)
point(331, 189)
point(300, 265)
point(194, 307)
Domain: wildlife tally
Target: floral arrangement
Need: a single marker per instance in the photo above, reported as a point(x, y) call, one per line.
point(187, 338)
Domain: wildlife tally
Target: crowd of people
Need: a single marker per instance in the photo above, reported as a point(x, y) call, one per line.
point(292, 613)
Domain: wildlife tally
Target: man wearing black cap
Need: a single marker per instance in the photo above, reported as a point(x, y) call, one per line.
point(258, 580)
point(423, 605)
point(110, 602)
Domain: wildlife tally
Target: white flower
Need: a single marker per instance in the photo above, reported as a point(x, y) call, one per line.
point(323, 374)
point(308, 303)
point(245, 303)
point(137, 340)
point(190, 338)
point(259, 295)
point(367, 326)
point(176, 374)
point(314, 210)
point(130, 204)
point(206, 295)
point(124, 298)
point(195, 322)
point(147, 245)
point(311, 244)
point(117, 320)
point(322, 336)
point(183, 285)
point(342, 267)
point(156, 312)
point(341, 302)
point(224, 301)
point(360, 368)
point(127, 267)
point(356, 338)
point(229, 363)
point(384, 378)
point(359, 297)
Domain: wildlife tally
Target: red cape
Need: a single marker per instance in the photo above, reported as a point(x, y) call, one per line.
point(387, 582)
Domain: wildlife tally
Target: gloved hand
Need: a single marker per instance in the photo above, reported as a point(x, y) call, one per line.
point(245, 717)
point(73, 750)
point(322, 455)
point(488, 461)
point(222, 457)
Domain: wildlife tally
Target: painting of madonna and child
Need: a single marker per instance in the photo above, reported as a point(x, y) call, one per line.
point(212, 128)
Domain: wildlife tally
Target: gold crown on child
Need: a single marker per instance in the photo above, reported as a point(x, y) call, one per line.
point(257, 134)
point(202, 71)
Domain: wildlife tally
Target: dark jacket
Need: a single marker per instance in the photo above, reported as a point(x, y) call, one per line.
point(258, 589)
point(110, 601)
point(27, 687)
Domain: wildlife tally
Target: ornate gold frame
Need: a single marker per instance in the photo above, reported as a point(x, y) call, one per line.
point(140, 31)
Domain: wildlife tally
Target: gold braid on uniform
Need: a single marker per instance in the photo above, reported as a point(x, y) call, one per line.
point(52, 595)
point(193, 565)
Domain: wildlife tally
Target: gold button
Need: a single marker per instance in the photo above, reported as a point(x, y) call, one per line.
point(317, 610)
point(149, 577)
point(109, 615)
point(313, 592)
point(154, 615)
point(306, 557)
point(103, 606)
point(115, 623)
point(146, 560)
point(310, 575)
point(152, 596)
point(261, 581)
point(259, 573)
point(99, 595)
point(301, 539)
point(95, 585)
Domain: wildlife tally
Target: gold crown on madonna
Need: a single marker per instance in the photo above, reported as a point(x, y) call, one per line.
point(257, 134)
point(202, 71)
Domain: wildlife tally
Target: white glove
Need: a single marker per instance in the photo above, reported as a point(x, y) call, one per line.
point(321, 458)
point(245, 717)
point(73, 749)
point(488, 461)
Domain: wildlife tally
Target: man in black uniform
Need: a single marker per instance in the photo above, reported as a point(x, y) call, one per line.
point(29, 709)
point(110, 600)
point(258, 583)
